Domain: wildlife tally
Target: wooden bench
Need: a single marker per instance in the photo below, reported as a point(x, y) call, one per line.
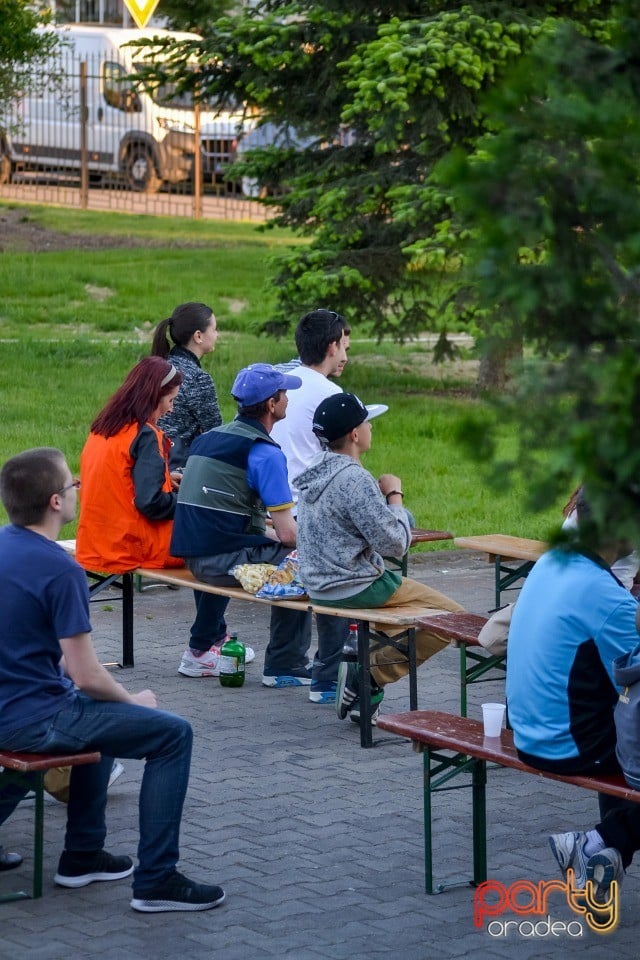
point(32, 767)
point(124, 582)
point(452, 746)
point(181, 577)
point(476, 665)
point(501, 548)
point(369, 638)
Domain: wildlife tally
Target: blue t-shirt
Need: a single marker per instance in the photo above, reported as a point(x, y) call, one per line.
point(570, 622)
point(44, 598)
point(267, 475)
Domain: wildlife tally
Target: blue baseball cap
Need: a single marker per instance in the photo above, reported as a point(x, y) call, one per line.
point(260, 381)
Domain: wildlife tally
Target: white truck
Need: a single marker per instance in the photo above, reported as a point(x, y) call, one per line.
point(147, 139)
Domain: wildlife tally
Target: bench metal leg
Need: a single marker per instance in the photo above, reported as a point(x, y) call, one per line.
point(127, 620)
point(473, 669)
point(413, 669)
point(124, 582)
point(479, 814)
point(463, 681)
point(506, 576)
point(438, 770)
point(364, 659)
point(405, 643)
point(35, 783)
point(428, 835)
point(38, 837)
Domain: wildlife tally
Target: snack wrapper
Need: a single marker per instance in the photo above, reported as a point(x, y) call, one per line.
point(283, 582)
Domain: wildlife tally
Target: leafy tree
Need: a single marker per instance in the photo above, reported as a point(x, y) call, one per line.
point(377, 93)
point(555, 203)
point(193, 15)
point(20, 44)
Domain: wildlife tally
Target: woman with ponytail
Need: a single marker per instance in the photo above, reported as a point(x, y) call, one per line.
point(192, 330)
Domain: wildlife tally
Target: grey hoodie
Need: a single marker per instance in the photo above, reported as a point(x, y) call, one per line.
point(345, 528)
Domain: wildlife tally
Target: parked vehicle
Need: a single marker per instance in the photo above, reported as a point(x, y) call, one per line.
point(148, 138)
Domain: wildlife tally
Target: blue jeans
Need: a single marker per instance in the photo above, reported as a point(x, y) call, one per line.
point(117, 730)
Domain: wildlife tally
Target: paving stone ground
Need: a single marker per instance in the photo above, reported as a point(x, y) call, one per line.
point(317, 842)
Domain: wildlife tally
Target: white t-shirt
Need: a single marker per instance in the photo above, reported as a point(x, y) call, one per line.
point(294, 434)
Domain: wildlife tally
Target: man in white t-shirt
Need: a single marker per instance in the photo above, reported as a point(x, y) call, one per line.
point(322, 339)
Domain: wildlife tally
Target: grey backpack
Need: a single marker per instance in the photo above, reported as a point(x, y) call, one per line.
point(626, 673)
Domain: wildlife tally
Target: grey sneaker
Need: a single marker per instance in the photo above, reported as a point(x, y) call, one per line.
point(568, 849)
point(602, 868)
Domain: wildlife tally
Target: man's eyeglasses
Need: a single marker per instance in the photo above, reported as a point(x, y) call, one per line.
point(74, 483)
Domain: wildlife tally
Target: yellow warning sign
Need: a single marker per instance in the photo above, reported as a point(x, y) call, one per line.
point(141, 10)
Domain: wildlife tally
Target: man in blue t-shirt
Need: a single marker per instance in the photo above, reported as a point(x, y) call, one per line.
point(56, 697)
point(572, 619)
point(234, 476)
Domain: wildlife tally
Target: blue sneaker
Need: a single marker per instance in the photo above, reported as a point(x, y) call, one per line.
point(602, 868)
point(316, 695)
point(296, 677)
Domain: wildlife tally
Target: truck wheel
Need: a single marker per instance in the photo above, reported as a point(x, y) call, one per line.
point(5, 167)
point(140, 170)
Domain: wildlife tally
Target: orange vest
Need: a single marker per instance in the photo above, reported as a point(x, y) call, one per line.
point(113, 536)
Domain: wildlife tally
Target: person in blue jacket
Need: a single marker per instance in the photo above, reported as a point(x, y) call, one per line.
point(572, 619)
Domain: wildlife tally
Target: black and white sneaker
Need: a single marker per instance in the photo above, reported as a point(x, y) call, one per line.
point(80, 869)
point(177, 892)
point(376, 700)
point(347, 689)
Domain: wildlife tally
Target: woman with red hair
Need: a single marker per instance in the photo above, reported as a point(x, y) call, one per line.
point(128, 497)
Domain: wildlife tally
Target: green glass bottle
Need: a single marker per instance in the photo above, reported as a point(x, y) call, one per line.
point(232, 658)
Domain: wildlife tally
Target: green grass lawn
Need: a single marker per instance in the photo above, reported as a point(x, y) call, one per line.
point(73, 322)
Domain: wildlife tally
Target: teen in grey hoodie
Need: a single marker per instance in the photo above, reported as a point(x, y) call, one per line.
point(347, 523)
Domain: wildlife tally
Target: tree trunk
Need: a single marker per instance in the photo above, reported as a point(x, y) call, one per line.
point(496, 365)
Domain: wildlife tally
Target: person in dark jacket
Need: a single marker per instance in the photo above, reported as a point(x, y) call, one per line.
point(234, 475)
point(193, 330)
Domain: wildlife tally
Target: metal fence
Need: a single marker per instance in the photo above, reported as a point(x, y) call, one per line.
point(81, 133)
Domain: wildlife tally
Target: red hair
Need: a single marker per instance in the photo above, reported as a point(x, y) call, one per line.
point(138, 397)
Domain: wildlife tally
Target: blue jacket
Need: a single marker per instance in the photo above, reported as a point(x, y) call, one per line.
point(572, 619)
point(217, 511)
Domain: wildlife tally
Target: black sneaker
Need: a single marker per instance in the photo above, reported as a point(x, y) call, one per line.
point(177, 892)
point(80, 869)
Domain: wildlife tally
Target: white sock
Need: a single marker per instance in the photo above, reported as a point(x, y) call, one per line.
point(594, 843)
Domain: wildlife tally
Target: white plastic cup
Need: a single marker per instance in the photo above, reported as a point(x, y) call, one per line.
point(492, 717)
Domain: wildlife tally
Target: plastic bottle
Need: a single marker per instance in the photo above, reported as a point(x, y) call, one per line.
point(350, 648)
point(232, 658)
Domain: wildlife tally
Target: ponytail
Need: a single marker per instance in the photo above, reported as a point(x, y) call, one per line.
point(160, 344)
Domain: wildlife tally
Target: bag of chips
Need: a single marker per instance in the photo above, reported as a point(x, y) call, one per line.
point(283, 583)
point(252, 576)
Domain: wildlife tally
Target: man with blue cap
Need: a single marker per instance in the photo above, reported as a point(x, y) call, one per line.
point(234, 476)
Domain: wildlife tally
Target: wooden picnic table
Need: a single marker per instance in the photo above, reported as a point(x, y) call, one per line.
point(500, 548)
